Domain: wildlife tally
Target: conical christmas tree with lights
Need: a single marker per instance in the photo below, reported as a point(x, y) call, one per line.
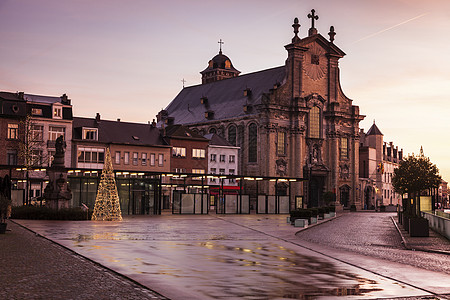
point(107, 205)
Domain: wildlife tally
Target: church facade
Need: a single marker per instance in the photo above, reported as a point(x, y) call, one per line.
point(289, 121)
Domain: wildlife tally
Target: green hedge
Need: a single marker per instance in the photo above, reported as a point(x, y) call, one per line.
point(44, 213)
point(301, 214)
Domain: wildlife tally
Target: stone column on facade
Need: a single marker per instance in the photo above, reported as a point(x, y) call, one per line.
point(355, 172)
point(335, 169)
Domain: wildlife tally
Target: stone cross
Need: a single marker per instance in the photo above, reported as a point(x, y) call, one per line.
point(313, 17)
point(183, 81)
point(221, 43)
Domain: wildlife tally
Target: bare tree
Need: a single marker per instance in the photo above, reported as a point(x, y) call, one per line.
point(32, 149)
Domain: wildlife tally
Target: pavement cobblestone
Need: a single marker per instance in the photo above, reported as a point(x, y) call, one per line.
point(33, 267)
point(374, 234)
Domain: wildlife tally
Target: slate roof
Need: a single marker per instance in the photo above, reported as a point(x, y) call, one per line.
point(217, 140)
point(116, 132)
point(181, 132)
point(42, 99)
point(225, 97)
point(10, 96)
point(374, 130)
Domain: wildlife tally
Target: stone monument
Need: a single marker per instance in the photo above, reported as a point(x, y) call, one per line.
point(57, 193)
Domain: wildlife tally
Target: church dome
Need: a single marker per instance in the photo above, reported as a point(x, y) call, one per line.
point(220, 61)
point(219, 67)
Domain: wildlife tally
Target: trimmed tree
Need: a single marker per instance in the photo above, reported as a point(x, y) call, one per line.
point(416, 173)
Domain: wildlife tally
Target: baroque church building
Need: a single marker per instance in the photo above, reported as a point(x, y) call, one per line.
point(289, 121)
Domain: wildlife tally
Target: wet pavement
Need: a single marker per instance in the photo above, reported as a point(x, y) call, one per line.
point(249, 256)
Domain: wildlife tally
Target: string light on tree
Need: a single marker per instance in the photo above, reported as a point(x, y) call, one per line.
point(107, 205)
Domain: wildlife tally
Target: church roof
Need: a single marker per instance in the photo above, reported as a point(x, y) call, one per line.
point(374, 130)
point(225, 98)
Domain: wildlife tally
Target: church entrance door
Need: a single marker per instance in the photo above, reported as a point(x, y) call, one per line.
point(345, 195)
point(316, 191)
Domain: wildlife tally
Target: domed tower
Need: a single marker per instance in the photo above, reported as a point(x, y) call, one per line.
point(220, 67)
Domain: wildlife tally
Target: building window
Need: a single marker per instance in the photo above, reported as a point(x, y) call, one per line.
point(344, 148)
point(57, 112)
point(126, 158)
point(152, 159)
point(222, 158)
point(36, 111)
point(231, 172)
point(51, 156)
point(232, 159)
point(37, 132)
point(91, 155)
point(160, 160)
point(55, 131)
point(198, 171)
point(90, 134)
point(36, 157)
point(179, 151)
point(213, 157)
point(281, 143)
point(117, 160)
point(232, 135)
point(222, 171)
point(198, 153)
point(135, 158)
point(13, 131)
point(11, 157)
point(144, 159)
point(314, 123)
point(252, 143)
point(213, 171)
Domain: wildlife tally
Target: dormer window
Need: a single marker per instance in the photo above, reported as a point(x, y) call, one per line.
point(57, 112)
point(90, 134)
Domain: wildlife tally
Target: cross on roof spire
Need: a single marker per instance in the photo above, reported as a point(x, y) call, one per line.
point(313, 17)
point(183, 81)
point(221, 43)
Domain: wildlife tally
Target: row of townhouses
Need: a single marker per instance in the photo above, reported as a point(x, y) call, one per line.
point(35, 122)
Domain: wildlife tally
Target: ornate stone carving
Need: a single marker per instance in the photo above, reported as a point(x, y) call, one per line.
point(314, 151)
point(315, 100)
point(344, 171)
point(315, 62)
point(281, 165)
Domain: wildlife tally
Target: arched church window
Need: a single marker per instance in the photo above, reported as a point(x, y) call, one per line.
point(212, 130)
point(252, 143)
point(232, 135)
point(314, 123)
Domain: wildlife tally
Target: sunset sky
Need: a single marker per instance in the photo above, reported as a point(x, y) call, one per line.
point(127, 59)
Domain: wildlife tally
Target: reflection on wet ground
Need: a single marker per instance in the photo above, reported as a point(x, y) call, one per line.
point(211, 258)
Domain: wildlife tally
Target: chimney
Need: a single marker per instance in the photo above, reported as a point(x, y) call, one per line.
point(65, 99)
point(118, 119)
point(97, 118)
point(153, 123)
